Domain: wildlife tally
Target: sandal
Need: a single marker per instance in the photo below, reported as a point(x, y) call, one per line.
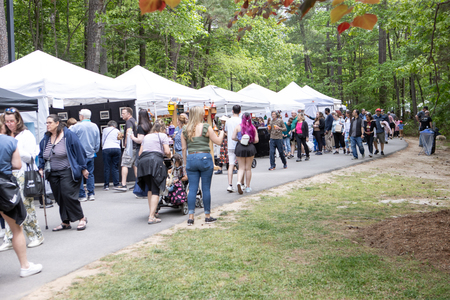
point(82, 224)
point(153, 221)
point(63, 226)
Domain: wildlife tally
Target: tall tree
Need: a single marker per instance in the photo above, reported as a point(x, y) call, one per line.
point(3, 36)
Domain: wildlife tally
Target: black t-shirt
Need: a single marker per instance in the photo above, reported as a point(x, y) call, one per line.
point(369, 126)
point(131, 123)
point(141, 130)
point(425, 122)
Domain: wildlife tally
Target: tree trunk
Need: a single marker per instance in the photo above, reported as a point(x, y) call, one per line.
point(330, 68)
point(174, 54)
point(4, 57)
point(208, 42)
point(413, 95)
point(339, 70)
point(403, 95)
point(397, 92)
point(53, 18)
point(381, 60)
point(93, 36)
point(142, 44)
point(307, 60)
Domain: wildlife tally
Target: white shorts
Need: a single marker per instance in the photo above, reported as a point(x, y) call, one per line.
point(231, 157)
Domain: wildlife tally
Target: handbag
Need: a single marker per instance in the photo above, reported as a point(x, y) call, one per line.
point(338, 128)
point(139, 192)
point(9, 193)
point(34, 183)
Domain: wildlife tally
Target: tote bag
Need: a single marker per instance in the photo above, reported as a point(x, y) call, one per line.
point(34, 183)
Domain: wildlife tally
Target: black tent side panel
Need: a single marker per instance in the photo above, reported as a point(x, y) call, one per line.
point(21, 102)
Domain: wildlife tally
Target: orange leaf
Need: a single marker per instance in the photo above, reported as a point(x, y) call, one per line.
point(343, 27)
point(336, 2)
point(172, 3)
point(366, 21)
point(369, 1)
point(288, 2)
point(147, 6)
point(338, 12)
point(306, 6)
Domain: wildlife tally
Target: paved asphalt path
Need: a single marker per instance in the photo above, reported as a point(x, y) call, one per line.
point(116, 220)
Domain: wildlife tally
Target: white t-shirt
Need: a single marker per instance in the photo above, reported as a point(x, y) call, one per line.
point(109, 138)
point(26, 143)
point(230, 125)
point(154, 142)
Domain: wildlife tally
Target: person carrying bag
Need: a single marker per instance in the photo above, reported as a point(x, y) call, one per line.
point(34, 183)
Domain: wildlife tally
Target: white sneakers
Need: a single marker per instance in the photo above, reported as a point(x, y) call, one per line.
point(36, 242)
point(2, 233)
point(230, 189)
point(6, 246)
point(32, 269)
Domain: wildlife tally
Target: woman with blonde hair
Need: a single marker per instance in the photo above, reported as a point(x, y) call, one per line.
point(199, 162)
point(182, 121)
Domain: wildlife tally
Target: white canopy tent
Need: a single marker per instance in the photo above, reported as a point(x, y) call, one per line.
point(313, 92)
point(230, 98)
point(48, 78)
point(284, 104)
point(155, 91)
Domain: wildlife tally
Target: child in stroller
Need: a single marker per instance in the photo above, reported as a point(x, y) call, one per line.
point(176, 187)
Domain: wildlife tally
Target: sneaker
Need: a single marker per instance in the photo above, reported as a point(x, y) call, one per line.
point(298, 160)
point(376, 152)
point(190, 222)
point(386, 142)
point(210, 220)
point(307, 158)
point(327, 151)
point(345, 151)
point(6, 246)
point(47, 206)
point(336, 152)
point(2, 233)
point(230, 189)
point(318, 153)
point(32, 269)
point(139, 197)
point(239, 187)
point(363, 156)
point(382, 153)
point(248, 190)
point(370, 155)
point(285, 166)
point(271, 169)
point(106, 188)
point(122, 188)
point(36, 242)
point(218, 172)
point(91, 197)
point(82, 199)
point(354, 158)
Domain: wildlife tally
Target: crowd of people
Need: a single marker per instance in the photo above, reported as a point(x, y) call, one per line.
point(68, 150)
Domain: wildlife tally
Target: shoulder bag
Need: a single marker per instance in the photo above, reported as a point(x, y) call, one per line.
point(9, 192)
point(34, 183)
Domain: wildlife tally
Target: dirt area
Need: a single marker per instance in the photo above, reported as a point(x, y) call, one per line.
point(426, 236)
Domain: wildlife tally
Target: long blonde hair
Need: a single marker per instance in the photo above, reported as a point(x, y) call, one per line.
point(196, 115)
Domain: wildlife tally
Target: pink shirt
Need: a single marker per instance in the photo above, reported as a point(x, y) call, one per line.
point(153, 142)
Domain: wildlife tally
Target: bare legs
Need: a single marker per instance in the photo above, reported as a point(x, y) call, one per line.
point(152, 204)
point(125, 174)
point(245, 168)
point(241, 171)
point(18, 241)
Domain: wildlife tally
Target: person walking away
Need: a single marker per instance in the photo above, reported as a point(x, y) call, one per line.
point(276, 140)
point(181, 121)
point(421, 114)
point(379, 132)
point(328, 127)
point(318, 130)
point(10, 160)
point(62, 150)
point(152, 171)
point(356, 134)
point(400, 129)
point(348, 119)
point(246, 136)
point(26, 145)
point(111, 154)
point(199, 162)
point(89, 136)
point(287, 138)
point(426, 121)
point(302, 136)
point(128, 161)
point(336, 131)
point(230, 125)
point(294, 116)
point(369, 128)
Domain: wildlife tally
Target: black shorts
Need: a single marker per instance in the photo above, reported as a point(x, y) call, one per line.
point(245, 151)
point(152, 186)
point(18, 213)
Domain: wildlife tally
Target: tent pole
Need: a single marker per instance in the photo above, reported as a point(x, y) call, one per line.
point(156, 113)
point(226, 111)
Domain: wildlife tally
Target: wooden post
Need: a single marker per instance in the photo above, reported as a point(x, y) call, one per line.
point(211, 146)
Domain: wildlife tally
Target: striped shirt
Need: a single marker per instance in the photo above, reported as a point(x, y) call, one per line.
point(57, 155)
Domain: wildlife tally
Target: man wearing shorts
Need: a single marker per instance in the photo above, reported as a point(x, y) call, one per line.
point(230, 125)
point(380, 137)
point(127, 160)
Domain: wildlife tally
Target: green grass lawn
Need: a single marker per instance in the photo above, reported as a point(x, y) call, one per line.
point(297, 246)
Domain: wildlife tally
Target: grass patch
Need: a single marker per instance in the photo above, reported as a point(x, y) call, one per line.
point(292, 247)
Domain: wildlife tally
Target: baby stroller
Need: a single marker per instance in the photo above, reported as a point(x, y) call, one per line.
point(167, 199)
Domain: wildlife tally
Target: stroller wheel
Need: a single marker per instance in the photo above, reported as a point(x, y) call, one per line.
point(184, 208)
point(199, 199)
point(254, 163)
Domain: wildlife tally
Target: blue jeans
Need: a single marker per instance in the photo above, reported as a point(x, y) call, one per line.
point(354, 141)
point(199, 165)
point(111, 161)
point(90, 181)
point(276, 144)
point(287, 144)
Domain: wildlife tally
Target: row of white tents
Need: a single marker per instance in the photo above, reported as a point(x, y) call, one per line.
point(56, 82)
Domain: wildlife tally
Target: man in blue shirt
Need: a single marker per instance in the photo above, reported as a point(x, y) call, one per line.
point(379, 130)
point(328, 126)
point(89, 136)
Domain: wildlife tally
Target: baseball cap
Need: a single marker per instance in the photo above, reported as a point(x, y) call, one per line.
point(378, 109)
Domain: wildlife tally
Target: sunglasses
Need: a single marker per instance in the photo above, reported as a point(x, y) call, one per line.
point(10, 110)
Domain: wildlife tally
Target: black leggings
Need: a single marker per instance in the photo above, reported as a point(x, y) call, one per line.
point(152, 186)
point(338, 139)
point(301, 141)
point(318, 136)
point(369, 139)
